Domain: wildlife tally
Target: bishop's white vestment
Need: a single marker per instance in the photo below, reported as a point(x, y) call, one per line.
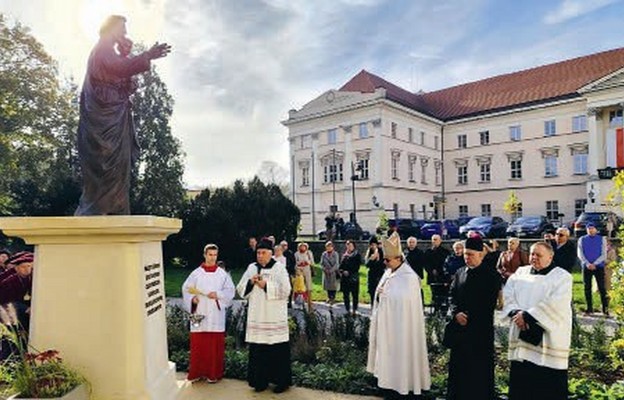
point(397, 353)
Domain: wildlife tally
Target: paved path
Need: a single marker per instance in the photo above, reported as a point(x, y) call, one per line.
point(232, 389)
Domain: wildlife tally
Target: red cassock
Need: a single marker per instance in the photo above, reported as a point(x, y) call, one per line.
point(207, 355)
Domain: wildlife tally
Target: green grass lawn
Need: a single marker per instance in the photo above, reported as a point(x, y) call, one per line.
point(175, 276)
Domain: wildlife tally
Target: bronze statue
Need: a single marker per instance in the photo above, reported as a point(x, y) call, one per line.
point(107, 144)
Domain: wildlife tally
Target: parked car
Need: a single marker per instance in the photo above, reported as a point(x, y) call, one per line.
point(533, 226)
point(492, 227)
point(464, 220)
point(597, 218)
point(447, 228)
point(406, 227)
point(349, 231)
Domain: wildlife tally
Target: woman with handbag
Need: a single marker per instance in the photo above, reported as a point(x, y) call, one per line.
point(350, 276)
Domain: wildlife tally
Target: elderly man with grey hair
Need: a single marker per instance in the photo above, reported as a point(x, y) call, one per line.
point(415, 257)
point(565, 251)
point(434, 264)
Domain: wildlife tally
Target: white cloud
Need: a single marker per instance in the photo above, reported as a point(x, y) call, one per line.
point(569, 9)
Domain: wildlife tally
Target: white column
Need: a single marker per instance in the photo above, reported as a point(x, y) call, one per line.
point(595, 150)
point(315, 199)
point(377, 159)
point(347, 199)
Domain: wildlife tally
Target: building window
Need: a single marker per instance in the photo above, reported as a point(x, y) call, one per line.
point(580, 163)
point(410, 169)
point(515, 133)
point(393, 130)
point(486, 210)
point(331, 136)
point(463, 211)
point(332, 173)
point(484, 138)
point(305, 176)
point(395, 209)
point(422, 138)
point(485, 174)
point(550, 128)
point(423, 173)
point(462, 175)
point(363, 168)
point(462, 141)
point(394, 166)
point(413, 211)
point(615, 118)
point(438, 175)
point(410, 135)
point(363, 130)
point(552, 210)
point(579, 207)
point(579, 123)
point(516, 169)
point(302, 142)
point(436, 142)
point(550, 166)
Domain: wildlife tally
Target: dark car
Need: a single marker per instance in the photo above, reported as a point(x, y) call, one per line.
point(492, 227)
point(597, 218)
point(406, 227)
point(349, 231)
point(530, 226)
point(447, 228)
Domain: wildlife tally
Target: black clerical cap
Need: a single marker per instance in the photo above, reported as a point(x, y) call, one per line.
point(474, 243)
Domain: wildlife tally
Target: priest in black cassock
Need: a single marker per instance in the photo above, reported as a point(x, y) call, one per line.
point(473, 298)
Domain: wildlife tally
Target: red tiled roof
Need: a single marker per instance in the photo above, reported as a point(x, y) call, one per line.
point(545, 83)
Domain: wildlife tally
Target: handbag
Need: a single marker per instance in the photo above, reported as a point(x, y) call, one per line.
point(452, 334)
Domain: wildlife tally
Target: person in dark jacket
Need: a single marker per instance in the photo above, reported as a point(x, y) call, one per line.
point(374, 260)
point(473, 298)
point(454, 261)
point(250, 251)
point(290, 265)
point(565, 250)
point(434, 265)
point(350, 276)
point(415, 257)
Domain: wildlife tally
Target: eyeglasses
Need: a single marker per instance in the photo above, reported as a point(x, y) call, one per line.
point(387, 259)
point(560, 234)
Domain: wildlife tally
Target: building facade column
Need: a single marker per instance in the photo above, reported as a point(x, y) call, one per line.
point(315, 181)
point(347, 200)
point(596, 146)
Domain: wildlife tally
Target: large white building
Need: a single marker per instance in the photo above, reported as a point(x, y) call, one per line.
point(547, 133)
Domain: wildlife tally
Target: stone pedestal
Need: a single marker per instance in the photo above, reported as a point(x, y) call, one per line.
point(99, 298)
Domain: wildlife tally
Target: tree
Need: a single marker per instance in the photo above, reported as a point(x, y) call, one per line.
point(512, 205)
point(157, 187)
point(228, 216)
point(38, 116)
point(271, 173)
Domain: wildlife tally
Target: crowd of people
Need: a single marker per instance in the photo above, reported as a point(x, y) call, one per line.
point(532, 289)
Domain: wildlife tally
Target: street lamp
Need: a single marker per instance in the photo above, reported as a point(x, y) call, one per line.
point(355, 177)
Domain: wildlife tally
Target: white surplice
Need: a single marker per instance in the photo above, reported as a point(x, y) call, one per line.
point(214, 311)
point(397, 353)
point(267, 315)
point(547, 298)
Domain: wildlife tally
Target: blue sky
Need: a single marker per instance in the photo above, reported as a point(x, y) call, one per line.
point(238, 66)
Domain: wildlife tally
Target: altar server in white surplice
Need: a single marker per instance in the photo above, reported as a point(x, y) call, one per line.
point(397, 355)
point(266, 285)
point(537, 300)
point(207, 292)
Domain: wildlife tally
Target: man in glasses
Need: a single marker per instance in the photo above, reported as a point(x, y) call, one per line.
point(398, 357)
point(565, 250)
